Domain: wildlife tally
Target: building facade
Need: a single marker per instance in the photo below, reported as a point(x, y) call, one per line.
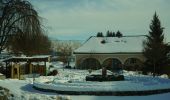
point(111, 52)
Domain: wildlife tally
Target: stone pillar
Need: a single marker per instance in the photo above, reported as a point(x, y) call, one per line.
point(104, 72)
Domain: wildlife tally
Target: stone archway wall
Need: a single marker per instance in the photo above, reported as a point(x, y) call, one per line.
point(112, 64)
point(102, 57)
point(89, 63)
point(133, 64)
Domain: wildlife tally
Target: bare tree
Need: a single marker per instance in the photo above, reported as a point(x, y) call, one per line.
point(19, 19)
point(66, 51)
point(65, 48)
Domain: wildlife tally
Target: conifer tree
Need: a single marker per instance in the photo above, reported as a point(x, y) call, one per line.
point(155, 50)
point(113, 34)
point(110, 34)
point(99, 34)
point(119, 34)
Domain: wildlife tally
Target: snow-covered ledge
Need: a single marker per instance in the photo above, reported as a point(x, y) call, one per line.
point(144, 85)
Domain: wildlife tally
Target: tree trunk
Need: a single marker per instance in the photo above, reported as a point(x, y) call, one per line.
point(154, 65)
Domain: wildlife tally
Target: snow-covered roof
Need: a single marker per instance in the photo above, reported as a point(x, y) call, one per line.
point(125, 44)
point(25, 59)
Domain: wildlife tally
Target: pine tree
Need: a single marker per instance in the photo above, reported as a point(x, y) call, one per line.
point(119, 34)
point(155, 50)
point(99, 34)
point(113, 34)
point(110, 34)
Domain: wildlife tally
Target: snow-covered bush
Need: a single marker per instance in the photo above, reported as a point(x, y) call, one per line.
point(164, 76)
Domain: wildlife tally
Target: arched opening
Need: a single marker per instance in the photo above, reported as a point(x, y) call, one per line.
point(133, 64)
point(90, 63)
point(112, 64)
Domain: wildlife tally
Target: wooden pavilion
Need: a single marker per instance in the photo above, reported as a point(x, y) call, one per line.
point(19, 67)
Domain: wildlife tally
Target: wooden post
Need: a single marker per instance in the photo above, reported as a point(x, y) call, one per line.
point(19, 71)
point(12, 71)
point(45, 68)
point(6, 70)
point(30, 67)
point(18, 65)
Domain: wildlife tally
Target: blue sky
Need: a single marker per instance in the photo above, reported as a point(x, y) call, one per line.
point(79, 19)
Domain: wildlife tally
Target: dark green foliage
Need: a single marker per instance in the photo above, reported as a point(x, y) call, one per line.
point(69, 67)
point(113, 34)
point(53, 73)
point(110, 34)
point(119, 34)
point(103, 41)
point(100, 78)
point(155, 50)
point(99, 34)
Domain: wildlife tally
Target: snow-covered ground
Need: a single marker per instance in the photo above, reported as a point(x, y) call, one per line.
point(23, 90)
point(74, 80)
point(165, 96)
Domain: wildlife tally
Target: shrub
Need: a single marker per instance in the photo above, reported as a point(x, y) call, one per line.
point(119, 78)
point(69, 67)
point(89, 70)
point(51, 66)
point(107, 78)
point(53, 73)
point(103, 41)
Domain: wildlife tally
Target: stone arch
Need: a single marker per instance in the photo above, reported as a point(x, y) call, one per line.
point(133, 64)
point(118, 58)
point(112, 64)
point(90, 63)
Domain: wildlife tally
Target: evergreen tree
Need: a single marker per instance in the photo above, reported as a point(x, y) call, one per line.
point(110, 34)
point(99, 34)
point(113, 34)
point(155, 50)
point(119, 34)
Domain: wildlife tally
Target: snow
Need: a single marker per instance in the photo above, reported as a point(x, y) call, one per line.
point(36, 56)
point(112, 45)
point(69, 80)
point(151, 97)
point(98, 72)
point(73, 79)
point(23, 90)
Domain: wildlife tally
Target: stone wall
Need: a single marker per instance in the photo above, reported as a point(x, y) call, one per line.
point(102, 57)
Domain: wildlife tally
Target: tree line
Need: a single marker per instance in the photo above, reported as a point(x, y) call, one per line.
point(110, 34)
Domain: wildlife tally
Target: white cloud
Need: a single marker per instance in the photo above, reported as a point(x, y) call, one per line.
point(87, 17)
